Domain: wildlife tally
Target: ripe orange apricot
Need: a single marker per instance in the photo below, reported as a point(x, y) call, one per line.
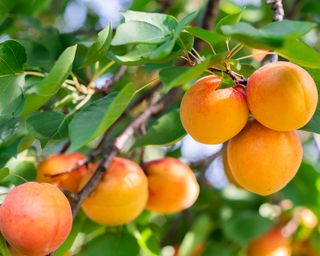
point(120, 196)
point(272, 243)
point(35, 218)
point(213, 116)
point(172, 185)
point(227, 170)
point(282, 96)
point(58, 163)
point(262, 160)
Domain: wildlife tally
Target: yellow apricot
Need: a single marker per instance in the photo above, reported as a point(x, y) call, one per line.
point(272, 243)
point(227, 170)
point(120, 196)
point(172, 185)
point(263, 160)
point(213, 116)
point(282, 96)
point(59, 163)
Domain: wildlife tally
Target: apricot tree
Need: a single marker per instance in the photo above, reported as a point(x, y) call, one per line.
point(175, 128)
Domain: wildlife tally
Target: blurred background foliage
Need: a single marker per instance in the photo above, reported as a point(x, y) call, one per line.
point(225, 218)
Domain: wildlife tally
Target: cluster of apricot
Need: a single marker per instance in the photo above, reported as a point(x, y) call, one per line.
point(264, 151)
point(36, 217)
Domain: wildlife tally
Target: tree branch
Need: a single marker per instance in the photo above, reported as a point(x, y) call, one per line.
point(211, 14)
point(100, 148)
point(119, 143)
point(165, 5)
point(238, 79)
point(294, 9)
point(278, 10)
point(208, 20)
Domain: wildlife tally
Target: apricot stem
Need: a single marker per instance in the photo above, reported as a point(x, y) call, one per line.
point(239, 79)
point(108, 84)
point(234, 50)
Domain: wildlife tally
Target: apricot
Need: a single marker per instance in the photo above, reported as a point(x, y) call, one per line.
point(227, 170)
point(272, 243)
point(172, 186)
point(59, 163)
point(35, 218)
point(213, 116)
point(263, 160)
point(282, 96)
point(120, 196)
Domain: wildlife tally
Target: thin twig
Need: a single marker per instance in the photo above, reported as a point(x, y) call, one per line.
point(204, 163)
point(107, 86)
point(238, 79)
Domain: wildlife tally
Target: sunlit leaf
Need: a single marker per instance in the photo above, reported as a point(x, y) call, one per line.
point(40, 93)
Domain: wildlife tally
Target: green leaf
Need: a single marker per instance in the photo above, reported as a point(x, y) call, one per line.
point(77, 225)
point(314, 124)
point(164, 22)
point(114, 244)
point(270, 36)
point(300, 53)
point(219, 248)
point(139, 55)
point(148, 242)
point(9, 149)
point(134, 32)
point(3, 247)
point(47, 125)
point(304, 184)
point(196, 236)
point(167, 47)
point(184, 74)
point(99, 49)
point(4, 172)
point(94, 119)
point(210, 37)
point(166, 130)
point(12, 57)
point(25, 143)
point(11, 98)
point(167, 75)
point(20, 171)
point(40, 93)
point(30, 8)
point(246, 226)
point(6, 6)
point(228, 20)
